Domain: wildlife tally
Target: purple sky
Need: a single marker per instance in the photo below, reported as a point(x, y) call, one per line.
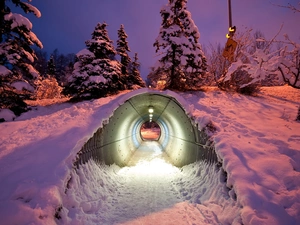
point(67, 24)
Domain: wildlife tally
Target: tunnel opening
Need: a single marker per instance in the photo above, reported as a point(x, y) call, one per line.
point(148, 176)
point(180, 138)
point(150, 131)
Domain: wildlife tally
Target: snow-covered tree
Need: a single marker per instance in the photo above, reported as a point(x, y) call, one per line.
point(289, 66)
point(181, 55)
point(17, 75)
point(122, 50)
point(96, 73)
point(134, 77)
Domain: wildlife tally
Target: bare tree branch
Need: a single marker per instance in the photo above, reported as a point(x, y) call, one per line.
point(289, 6)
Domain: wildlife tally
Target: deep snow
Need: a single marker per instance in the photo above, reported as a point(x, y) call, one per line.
point(257, 140)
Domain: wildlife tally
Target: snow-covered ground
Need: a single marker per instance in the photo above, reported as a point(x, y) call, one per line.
point(257, 139)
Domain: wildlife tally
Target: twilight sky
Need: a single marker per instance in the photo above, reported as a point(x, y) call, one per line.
point(67, 24)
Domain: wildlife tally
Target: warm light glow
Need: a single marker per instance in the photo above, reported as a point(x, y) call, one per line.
point(150, 110)
point(150, 162)
point(150, 130)
point(231, 29)
point(156, 166)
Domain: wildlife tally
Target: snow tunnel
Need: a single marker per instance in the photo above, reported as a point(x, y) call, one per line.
point(118, 139)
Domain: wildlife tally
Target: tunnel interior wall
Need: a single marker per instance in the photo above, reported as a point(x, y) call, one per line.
point(180, 137)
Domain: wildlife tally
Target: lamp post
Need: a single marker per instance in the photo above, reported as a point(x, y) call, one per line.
point(231, 28)
point(229, 13)
point(231, 44)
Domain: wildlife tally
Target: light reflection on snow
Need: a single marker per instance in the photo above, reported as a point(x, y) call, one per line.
point(149, 159)
point(155, 167)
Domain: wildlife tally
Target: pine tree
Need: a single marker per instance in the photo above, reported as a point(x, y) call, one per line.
point(17, 75)
point(134, 76)
point(51, 69)
point(100, 44)
point(181, 56)
point(122, 50)
point(40, 64)
point(96, 73)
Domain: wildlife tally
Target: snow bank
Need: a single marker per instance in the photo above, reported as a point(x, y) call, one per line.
point(7, 115)
point(257, 139)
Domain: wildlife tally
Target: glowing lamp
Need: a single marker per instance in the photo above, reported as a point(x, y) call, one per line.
point(150, 109)
point(232, 29)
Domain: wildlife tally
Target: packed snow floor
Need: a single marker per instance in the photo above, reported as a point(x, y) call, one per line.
point(257, 140)
point(151, 191)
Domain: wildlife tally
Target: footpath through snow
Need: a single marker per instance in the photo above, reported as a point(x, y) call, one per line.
point(257, 139)
point(151, 191)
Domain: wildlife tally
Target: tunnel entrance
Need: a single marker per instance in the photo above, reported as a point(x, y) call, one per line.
point(180, 139)
point(150, 131)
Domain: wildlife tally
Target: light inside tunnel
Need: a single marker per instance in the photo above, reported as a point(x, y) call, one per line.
point(150, 110)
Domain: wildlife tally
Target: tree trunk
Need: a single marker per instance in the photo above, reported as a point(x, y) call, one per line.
point(2, 13)
point(172, 76)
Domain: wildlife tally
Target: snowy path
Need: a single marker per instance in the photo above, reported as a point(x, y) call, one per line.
point(146, 193)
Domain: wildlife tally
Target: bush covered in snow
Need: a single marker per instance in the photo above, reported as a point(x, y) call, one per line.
point(257, 62)
point(48, 88)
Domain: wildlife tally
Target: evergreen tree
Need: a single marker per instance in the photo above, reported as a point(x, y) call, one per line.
point(100, 44)
point(40, 64)
point(96, 72)
point(17, 75)
point(181, 56)
point(62, 64)
point(134, 76)
point(51, 70)
point(122, 50)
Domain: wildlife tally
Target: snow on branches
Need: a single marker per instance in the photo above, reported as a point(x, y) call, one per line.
point(257, 62)
point(289, 66)
point(96, 72)
point(16, 56)
point(181, 56)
